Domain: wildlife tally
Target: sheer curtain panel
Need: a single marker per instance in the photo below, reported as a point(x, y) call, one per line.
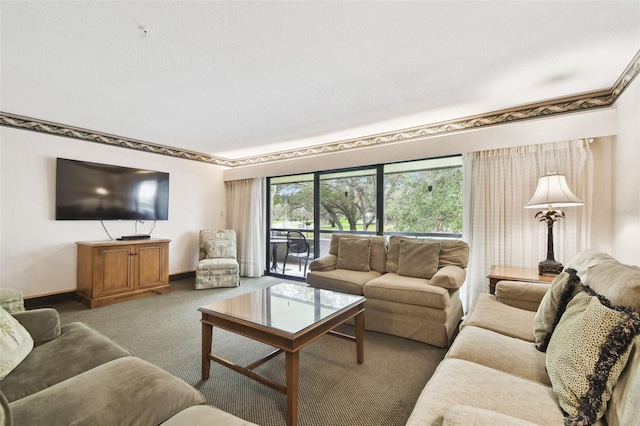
point(245, 214)
point(499, 230)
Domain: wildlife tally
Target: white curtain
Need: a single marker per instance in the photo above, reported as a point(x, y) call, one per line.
point(245, 214)
point(499, 230)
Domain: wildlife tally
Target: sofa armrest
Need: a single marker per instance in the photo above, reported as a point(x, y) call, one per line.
point(324, 263)
point(451, 277)
point(519, 294)
point(43, 324)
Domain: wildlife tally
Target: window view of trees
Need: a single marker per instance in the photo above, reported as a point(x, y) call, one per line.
point(427, 201)
point(419, 197)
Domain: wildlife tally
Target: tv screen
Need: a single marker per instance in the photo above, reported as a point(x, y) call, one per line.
point(93, 191)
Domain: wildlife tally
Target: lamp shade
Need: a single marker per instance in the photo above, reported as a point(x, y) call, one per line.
point(553, 191)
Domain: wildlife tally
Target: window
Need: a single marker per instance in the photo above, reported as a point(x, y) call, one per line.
point(422, 197)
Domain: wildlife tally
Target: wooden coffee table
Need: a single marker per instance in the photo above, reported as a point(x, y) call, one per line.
point(287, 317)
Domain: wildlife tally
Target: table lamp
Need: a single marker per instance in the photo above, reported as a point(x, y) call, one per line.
point(552, 192)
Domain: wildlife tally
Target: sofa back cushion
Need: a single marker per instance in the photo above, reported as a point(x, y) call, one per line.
point(418, 259)
point(378, 250)
point(353, 254)
point(452, 252)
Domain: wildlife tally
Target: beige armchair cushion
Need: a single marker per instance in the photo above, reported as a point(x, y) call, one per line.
point(587, 353)
point(353, 254)
point(418, 259)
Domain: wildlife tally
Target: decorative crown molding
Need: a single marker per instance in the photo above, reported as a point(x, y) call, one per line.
point(565, 105)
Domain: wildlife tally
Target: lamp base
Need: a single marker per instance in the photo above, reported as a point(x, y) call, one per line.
point(549, 267)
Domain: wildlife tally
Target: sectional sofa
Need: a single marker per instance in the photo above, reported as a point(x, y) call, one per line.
point(73, 375)
point(565, 353)
point(411, 284)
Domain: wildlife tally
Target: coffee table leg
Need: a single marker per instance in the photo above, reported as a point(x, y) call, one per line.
point(292, 364)
point(207, 331)
point(359, 323)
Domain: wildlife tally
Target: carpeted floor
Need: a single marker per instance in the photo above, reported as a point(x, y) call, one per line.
point(334, 390)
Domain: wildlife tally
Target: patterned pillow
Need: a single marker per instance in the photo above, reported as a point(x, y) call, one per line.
point(15, 343)
point(353, 254)
point(553, 304)
point(418, 259)
point(587, 353)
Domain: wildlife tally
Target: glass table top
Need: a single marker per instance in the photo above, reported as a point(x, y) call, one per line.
point(287, 307)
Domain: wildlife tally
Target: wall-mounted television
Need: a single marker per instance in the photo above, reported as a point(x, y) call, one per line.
point(93, 191)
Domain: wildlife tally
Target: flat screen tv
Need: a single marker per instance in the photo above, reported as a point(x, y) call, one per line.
point(93, 191)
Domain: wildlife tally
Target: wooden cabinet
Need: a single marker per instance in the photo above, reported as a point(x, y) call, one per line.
point(117, 271)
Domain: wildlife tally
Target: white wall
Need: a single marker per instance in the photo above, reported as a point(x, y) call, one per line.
point(38, 253)
point(624, 211)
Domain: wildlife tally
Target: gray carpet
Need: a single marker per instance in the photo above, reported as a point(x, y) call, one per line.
point(334, 390)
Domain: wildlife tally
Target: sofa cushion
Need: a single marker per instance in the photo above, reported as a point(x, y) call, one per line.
point(504, 319)
point(487, 348)
point(464, 415)
point(460, 382)
point(342, 280)
point(452, 252)
point(562, 289)
point(378, 255)
point(619, 283)
point(353, 254)
point(60, 359)
point(587, 353)
point(582, 261)
point(205, 415)
point(418, 259)
point(407, 290)
point(123, 391)
point(15, 343)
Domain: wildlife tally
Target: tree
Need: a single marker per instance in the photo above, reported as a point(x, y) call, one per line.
point(427, 201)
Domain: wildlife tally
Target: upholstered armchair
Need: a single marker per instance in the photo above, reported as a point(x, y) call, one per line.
point(218, 266)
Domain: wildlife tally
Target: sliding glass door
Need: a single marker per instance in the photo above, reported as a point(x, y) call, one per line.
point(417, 198)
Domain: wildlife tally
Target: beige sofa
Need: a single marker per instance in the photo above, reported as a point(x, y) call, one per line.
point(74, 375)
point(493, 373)
point(411, 284)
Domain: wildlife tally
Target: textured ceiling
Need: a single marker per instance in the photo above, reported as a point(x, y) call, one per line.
point(239, 79)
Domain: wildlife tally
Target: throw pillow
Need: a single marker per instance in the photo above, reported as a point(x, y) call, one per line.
point(418, 259)
point(353, 254)
point(587, 352)
point(15, 343)
point(553, 304)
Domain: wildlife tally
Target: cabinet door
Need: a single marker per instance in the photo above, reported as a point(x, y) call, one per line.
point(112, 269)
point(152, 262)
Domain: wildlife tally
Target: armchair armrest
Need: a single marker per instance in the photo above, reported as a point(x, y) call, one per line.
point(451, 277)
point(324, 263)
point(523, 295)
point(43, 324)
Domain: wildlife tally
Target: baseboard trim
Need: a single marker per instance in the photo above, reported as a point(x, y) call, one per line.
point(44, 301)
point(182, 276)
point(49, 299)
